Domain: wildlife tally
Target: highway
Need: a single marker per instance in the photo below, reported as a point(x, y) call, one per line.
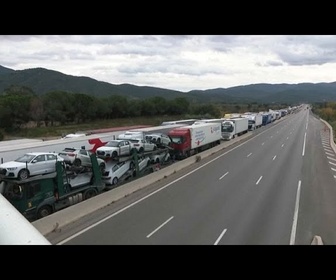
point(276, 188)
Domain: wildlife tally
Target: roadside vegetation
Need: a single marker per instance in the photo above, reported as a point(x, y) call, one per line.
point(327, 112)
point(23, 114)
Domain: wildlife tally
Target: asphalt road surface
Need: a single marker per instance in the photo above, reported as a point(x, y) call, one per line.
point(277, 188)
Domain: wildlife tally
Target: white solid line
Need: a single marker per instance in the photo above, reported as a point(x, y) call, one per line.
point(224, 175)
point(304, 144)
point(220, 237)
point(259, 180)
point(149, 235)
point(331, 158)
point(332, 163)
point(333, 169)
point(274, 157)
point(296, 213)
point(249, 154)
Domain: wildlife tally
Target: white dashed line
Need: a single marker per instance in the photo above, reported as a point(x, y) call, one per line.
point(149, 235)
point(223, 176)
point(220, 237)
point(259, 180)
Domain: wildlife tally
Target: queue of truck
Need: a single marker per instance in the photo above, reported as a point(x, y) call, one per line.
point(41, 195)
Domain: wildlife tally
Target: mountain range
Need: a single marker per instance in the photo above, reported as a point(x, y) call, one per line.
point(42, 81)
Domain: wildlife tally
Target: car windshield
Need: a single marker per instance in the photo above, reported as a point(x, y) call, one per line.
point(25, 158)
point(112, 144)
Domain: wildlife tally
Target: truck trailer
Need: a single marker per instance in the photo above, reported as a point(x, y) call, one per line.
point(192, 139)
point(234, 127)
point(41, 195)
point(254, 121)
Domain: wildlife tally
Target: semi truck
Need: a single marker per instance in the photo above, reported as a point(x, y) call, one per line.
point(41, 195)
point(254, 121)
point(192, 139)
point(234, 127)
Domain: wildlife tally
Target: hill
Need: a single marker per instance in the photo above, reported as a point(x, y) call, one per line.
point(42, 81)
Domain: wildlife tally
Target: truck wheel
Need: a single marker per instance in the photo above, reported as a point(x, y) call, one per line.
point(77, 162)
point(44, 211)
point(115, 181)
point(23, 174)
point(89, 193)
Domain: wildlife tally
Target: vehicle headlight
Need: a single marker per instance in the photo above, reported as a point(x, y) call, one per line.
point(11, 168)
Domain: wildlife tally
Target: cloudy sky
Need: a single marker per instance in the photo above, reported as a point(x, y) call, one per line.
point(178, 62)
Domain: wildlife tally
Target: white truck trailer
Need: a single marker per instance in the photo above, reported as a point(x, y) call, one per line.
point(254, 121)
point(191, 139)
point(234, 127)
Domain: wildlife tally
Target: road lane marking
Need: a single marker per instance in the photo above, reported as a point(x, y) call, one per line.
point(158, 190)
point(333, 169)
point(149, 235)
point(335, 176)
point(287, 138)
point(249, 154)
point(274, 157)
point(330, 154)
point(262, 143)
point(296, 213)
point(259, 180)
point(307, 125)
point(224, 175)
point(328, 149)
point(332, 163)
point(304, 144)
point(282, 145)
point(331, 158)
point(220, 236)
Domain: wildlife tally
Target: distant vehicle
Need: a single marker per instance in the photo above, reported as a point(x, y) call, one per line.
point(131, 135)
point(160, 139)
point(80, 157)
point(75, 135)
point(234, 127)
point(254, 120)
point(30, 164)
point(186, 122)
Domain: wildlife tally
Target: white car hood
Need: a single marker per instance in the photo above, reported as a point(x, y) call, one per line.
point(104, 148)
point(12, 164)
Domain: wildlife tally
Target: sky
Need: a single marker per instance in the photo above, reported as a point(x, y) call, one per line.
point(178, 62)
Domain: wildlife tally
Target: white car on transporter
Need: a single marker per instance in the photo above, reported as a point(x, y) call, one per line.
point(30, 164)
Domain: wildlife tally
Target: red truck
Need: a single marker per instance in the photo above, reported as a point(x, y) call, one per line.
point(192, 139)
